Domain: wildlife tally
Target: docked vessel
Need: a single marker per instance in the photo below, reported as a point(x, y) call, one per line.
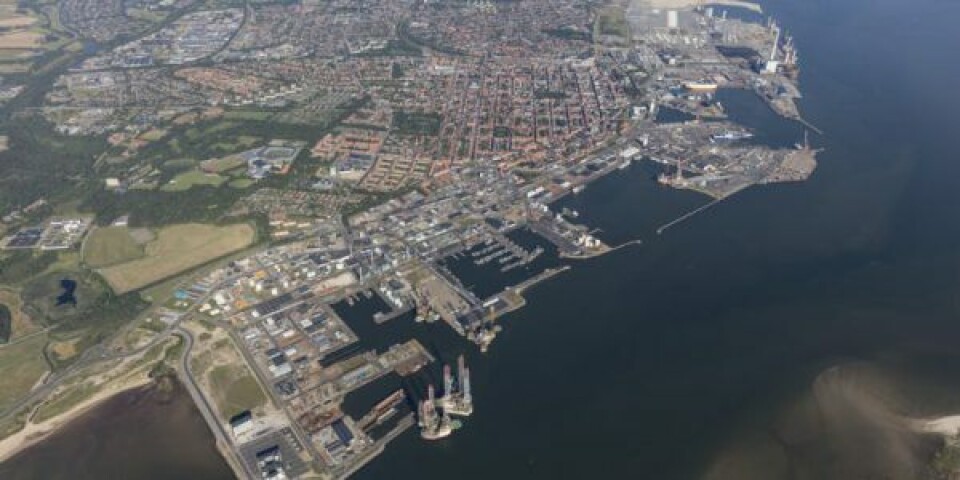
point(730, 136)
point(700, 86)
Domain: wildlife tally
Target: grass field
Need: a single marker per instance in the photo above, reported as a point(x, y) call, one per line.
point(110, 246)
point(176, 249)
point(235, 390)
point(67, 261)
point(179, 164)
point(613, 21)
point(14, 68)
point(63, 351)
point(241, 183)
point(21, 366)
point(238, 143)
point(209, 130)
point(16, 20)
point(15, 54)
point(63, 403)
point(21, 40)
point(223, 164)
point(187, 180)
point(21, 322)
point(97, 381)
point(249, 115)
point(153, 135)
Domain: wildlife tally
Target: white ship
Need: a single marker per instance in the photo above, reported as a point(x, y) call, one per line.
point(730, 136)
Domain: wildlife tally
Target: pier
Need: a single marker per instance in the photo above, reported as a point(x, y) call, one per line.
point(505, 252)
point(377, 448)
point(686, 216)
point(564, 245)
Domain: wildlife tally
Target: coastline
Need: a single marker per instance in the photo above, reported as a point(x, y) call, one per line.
point(33, 433)
point(947, 426)
point(755, 7)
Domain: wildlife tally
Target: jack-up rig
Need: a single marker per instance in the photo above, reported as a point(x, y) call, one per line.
point(435, 421)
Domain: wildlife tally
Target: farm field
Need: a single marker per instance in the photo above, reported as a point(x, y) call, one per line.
point(16, 20)
point(110, 246)
point(189, 179)
point(176, 249)
point(19, 40)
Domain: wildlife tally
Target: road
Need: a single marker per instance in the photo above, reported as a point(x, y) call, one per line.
point(217, 427)
point(265, 384)
point(94, 354)
point(98, 352)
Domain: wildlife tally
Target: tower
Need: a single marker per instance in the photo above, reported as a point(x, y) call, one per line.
point(461, 368)
point(447, 382)
point(467, 398)
point(776, 40)
point(789, 52)
point(426, 418)
point(464, 374)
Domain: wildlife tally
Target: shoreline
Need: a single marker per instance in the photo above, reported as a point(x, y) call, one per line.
point(947, 426)
point(34, 433)
point(683, 4)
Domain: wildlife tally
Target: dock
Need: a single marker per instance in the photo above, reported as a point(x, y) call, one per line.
point(377, 448)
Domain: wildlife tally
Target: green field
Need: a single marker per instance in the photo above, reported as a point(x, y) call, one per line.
point(178, 164)
point(187, 180)
point(65, 402)
point(220, 165)
point(241, 183)
point(16, 267)
point(176, 249)
point(110, 246)
point(416, 123)
point(241, 142)
point(41, 294)
point(613, 21)
point(6, 323)
point(153, 135)
point(19, 323)
point(235, 390)
point(21, 366)
point(249, 115)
